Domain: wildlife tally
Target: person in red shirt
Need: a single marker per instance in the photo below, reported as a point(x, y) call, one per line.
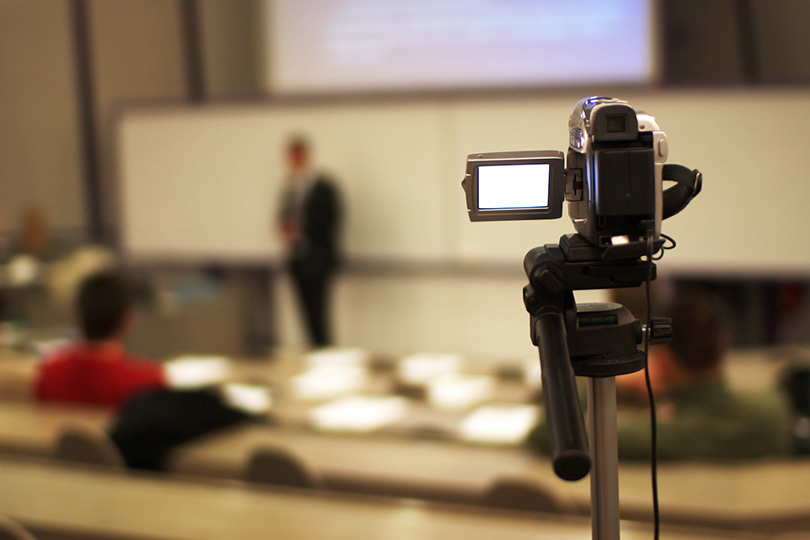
point(96, 370)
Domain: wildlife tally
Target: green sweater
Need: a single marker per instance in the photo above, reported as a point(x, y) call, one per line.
point(709, 422)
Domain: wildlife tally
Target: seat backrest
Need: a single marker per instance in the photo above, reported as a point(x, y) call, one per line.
point(278, 467)
point(515, 494)
point(81, 445)
point(10, 530)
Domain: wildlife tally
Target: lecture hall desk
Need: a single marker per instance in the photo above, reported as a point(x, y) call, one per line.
point(750, 496)
point(57, 501)
point(734, 495)
point(741, 496)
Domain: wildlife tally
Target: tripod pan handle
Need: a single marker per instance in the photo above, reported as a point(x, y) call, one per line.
point(566, 426)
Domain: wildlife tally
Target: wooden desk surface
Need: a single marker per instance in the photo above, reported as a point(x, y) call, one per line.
point(111, 505)
point(32, 428)
point(690, 492)
point(370, 464)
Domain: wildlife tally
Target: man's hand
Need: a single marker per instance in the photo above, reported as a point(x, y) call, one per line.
point(290, 232)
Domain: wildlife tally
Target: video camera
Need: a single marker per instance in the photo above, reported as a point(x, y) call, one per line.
point(613, 182)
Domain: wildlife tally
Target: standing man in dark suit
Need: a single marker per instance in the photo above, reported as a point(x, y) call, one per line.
point(310, 221)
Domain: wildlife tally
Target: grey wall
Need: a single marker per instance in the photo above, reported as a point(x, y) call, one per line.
point(231, 38)
point(703, 41)
point(137, 54)
point(782, 39)
point(736, 41)
point(40, 152)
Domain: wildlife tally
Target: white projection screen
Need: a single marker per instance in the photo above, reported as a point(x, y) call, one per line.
point(337, 46)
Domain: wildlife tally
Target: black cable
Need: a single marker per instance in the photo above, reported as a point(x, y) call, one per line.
point(653, 419)
point(665, 247)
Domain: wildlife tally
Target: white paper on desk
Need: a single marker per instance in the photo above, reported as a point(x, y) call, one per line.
point(499, 424)
point(250, 398)
point(196, 371)
point(419, 369)
point(359, 413)
point(335, 356)
point(44, 348)
point(327, 382)
point(457, 392)
point(532, 376)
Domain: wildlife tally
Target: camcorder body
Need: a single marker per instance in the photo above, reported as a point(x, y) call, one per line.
point(613, 180)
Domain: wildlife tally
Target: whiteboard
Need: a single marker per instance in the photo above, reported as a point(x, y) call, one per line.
point(204, 181)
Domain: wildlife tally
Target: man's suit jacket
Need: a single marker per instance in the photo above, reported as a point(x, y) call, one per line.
point(319, 221)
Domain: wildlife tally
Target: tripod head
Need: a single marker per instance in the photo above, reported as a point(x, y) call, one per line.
point(590, 340)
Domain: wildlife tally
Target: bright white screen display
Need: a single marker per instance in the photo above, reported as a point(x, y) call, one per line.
point(318, 46)
point(513, 186)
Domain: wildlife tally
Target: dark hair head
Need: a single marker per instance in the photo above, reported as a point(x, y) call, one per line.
point(700, 332)
point(298, 144)
point(103, 301)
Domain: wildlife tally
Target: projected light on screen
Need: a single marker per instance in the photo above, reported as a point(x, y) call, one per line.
point(368, 45)
point(513, 186)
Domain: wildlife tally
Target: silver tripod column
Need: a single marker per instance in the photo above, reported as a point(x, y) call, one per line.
point(604, 457)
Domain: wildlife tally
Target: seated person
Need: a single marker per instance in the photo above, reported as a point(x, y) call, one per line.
point(699, 417)
point(96, 370)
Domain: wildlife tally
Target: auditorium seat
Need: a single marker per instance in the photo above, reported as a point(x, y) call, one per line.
point(515, 494)
point(81, 445)
point(279, 467)
point(10, 530)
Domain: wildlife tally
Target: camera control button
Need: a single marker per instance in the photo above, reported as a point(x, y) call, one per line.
point(663, 148)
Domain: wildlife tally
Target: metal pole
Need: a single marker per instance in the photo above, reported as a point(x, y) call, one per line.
point(605, 458)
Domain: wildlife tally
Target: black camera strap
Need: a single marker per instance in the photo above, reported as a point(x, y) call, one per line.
point(688, 183)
